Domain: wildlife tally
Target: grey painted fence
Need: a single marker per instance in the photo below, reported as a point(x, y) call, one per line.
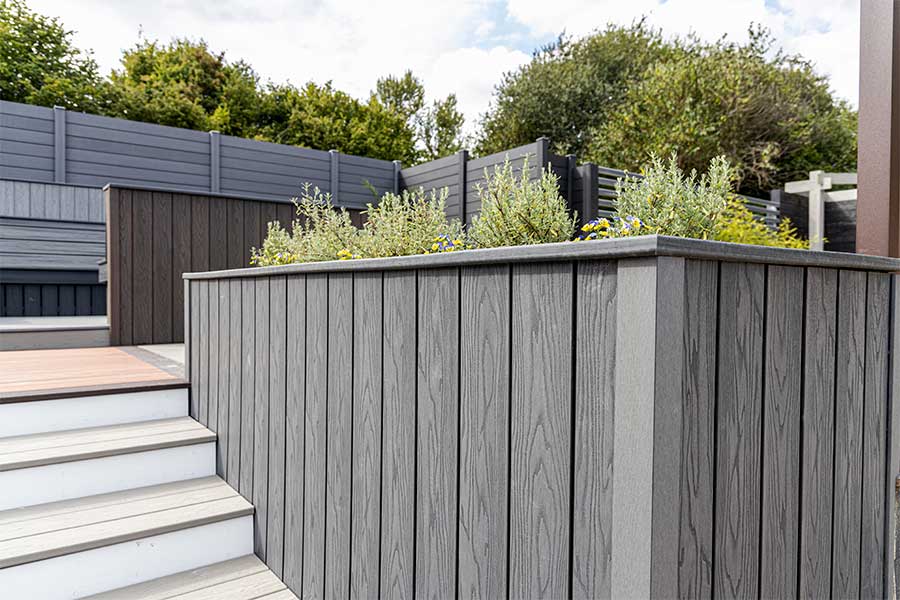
point(647, 417)
point(52, 145)
point(589, 189)
point(840, 219)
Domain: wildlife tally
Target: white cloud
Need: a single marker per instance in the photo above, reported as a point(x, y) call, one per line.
point(827, 33)
point(460, 46)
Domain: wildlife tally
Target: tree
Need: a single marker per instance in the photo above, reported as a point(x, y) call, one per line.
point(184, 84)
point(319, 116)
point(769, 113)
point(568, 89)
point(40, 65)
point(437, 128)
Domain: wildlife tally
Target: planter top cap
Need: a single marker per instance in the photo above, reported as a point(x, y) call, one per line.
point(648, 245)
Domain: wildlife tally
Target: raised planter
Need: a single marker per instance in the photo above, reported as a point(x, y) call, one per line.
point(646, 417)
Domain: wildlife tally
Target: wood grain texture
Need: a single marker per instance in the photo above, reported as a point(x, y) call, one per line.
point(261, 420)
point(295, 421)
point(437, 433)
point(872, 529)
point(233, 465)
point(398, 485)
point(277, 420)
point(849, 391)
point(317, 317)
point(698, 436)
point(541, 430)
point(484, 431)
point(202, 391)
point(181, 258)
point(142, 244)
point(194, 349)
point(817, 469)
point(595, 355)
point(124, 260)
point(218, 232)
point(248, 385)
point(238, 253)
point(339, 436)
point(112, 199)
point(252, 237)
point(199, 234)
point(367, 435)
point(739, 430)
point(163, 280)
point(781, 432)
point(212, 414)
point(224, 402)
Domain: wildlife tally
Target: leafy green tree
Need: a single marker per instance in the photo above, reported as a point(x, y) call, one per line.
point(568, 89)
point(769, 113)
point(185, 84)
point(438, 128)
point(319, 116)
point(40, 65)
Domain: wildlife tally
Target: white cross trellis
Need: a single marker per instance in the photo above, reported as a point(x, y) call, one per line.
point(816, 187)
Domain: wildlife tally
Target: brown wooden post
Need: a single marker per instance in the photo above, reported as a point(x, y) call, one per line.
point(878, 204)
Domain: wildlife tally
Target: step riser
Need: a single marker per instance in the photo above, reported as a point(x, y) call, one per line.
point(44, 416)
point(119, 565)
point(64, 481)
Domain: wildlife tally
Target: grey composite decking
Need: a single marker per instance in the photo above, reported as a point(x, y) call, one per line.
point(638, 418)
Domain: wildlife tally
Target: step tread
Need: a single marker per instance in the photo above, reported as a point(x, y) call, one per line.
point(59, 528)
point(94, 442)
point(245, 578)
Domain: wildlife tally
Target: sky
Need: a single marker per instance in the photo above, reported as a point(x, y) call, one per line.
point(461, 46)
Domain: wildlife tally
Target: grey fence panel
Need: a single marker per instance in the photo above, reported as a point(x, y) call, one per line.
point(586, 420)
point(26, 142)
point(52, 202)
point(51, 245)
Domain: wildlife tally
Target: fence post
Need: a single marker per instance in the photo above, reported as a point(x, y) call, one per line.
point(215, 162)
point(542, 153)
point(589, 192)
point(335, 157)
point(463, 156)
point(571, 165)
point(59, 144)
point(397, 167)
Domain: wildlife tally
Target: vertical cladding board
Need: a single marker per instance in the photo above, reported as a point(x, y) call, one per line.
point(235, 383)
point(739, 429)
point(261, 418)
point(142, 263)
point(595, 356)
point(163, 281)
point(181, 257)
point(399, 435)
point(317, 317)
point(295, 463)
point(484, 431)
point(277, 416)
point(781, 432)
point(367, 434)
point(816, 473)
point(339, 435)
point(541, 430)
point(698, 387)
point(850, 388)
point(437, 432)
point(248, 385)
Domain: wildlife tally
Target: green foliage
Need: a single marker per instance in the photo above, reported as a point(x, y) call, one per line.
point(768, 113)
point(669, 202)
point(568, 89)
point(737, 224)
point(40, 65)
point(319, 116)
point(277, 248)
point(517, 211)
point(622, 93)
point(408, 223)
point(437, 128)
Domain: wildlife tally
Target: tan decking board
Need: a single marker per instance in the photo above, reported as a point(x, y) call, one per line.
point(60, 528)
point(245, 578)
point(45, 370)
point(95, 442)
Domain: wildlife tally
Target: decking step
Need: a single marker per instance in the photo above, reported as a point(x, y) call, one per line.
point(49, 467)
point(245, 578)
point(89, 545)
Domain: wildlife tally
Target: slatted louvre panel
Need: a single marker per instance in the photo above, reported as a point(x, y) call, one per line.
point(424, 432)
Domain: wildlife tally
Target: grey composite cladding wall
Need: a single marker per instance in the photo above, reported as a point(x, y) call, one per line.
point(648, 417)
point(153, 237)
point(53, 145)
